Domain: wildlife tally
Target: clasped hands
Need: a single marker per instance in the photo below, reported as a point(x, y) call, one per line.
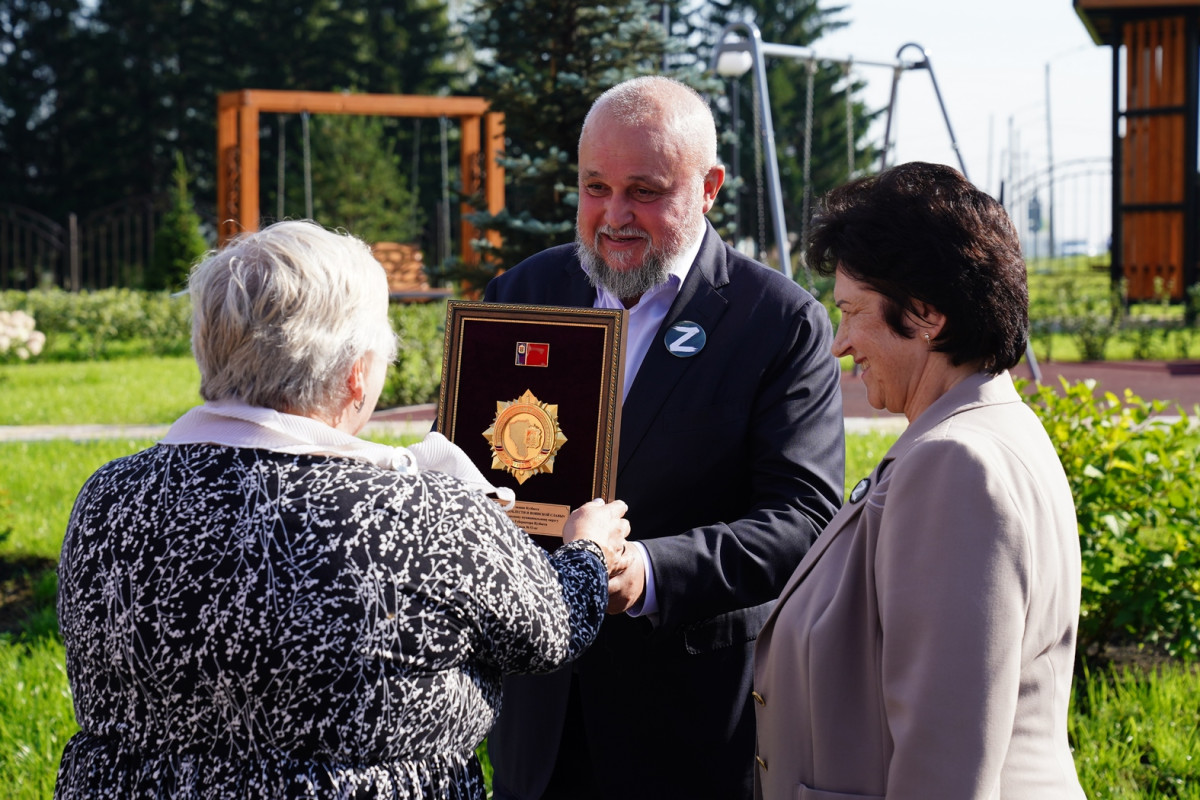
point(605, 524)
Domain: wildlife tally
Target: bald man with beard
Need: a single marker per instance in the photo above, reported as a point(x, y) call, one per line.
point(731, 462)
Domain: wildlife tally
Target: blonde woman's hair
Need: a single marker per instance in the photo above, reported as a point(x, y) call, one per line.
point(280, 316)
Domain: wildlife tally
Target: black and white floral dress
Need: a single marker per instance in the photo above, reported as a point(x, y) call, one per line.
point(242, 623)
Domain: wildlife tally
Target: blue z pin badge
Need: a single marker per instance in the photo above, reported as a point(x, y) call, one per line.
point(860, 490)
point(684, 339)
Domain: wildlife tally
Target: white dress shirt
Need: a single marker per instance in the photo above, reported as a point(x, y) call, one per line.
point(645, 317)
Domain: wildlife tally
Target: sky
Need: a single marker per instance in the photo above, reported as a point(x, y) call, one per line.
point(990, 61)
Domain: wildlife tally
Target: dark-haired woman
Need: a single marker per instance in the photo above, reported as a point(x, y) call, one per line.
point(924, 646)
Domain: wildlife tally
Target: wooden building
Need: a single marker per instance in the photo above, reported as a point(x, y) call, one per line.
point(1155, 230)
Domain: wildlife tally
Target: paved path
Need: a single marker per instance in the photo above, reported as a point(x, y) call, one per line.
point(1176, 383)
point(406, 421)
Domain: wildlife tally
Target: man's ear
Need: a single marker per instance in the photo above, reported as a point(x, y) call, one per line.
point(712, 184)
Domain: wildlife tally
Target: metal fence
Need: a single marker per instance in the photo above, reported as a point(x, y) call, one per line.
point(111, 246)
point(1064, 210)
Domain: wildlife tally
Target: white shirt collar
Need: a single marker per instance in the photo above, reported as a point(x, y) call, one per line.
point(234, 424)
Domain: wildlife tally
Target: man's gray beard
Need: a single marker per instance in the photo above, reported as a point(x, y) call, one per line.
point(623, 284)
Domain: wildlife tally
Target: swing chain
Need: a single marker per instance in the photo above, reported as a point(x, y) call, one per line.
point(308, 193)
point(280, 172)
point(758, 171)
point(849, 121)
point(807, 202)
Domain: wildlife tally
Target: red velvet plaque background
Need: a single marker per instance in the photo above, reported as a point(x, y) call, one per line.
point(571, 358)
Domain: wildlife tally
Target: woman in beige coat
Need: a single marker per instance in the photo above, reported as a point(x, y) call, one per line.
point(924, 647)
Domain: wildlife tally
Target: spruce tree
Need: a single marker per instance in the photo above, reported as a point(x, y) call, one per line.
point(543, 64)
point(97, 96)
point(178, 242)
point(357, 181)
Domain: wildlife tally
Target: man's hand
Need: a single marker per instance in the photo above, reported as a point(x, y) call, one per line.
point(627, 582)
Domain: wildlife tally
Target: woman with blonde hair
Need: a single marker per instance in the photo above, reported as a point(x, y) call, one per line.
point(264, 605)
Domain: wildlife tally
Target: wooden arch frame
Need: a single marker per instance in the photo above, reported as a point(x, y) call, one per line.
point(237, 147)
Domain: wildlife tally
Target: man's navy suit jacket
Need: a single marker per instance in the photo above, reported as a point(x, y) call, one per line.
point(731, 461)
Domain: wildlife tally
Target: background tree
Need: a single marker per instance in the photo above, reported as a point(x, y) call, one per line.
point(37, 54)
point(358, 181)
point(402, 48)
point(97, 97)
point(543, 64)
point(178, 243)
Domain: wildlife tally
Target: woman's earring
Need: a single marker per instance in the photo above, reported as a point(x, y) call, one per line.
point(362, 401)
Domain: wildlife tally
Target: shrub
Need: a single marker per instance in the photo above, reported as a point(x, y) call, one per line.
point(82, 326)
point(178, 243)
point(417, 374)
point(121, 322)
point(1131, 475)
point(1092, 320)
point(1149, 333)
point(19, 337)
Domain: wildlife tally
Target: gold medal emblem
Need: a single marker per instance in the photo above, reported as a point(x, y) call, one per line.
point(525, 436)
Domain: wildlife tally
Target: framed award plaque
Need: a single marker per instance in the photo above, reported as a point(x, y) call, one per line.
point(532, 394)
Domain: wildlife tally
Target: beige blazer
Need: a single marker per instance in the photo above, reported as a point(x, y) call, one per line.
point(924, 647)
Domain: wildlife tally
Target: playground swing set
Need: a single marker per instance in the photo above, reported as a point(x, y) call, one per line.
point(1155, 207)
point(740, 48)
point(1155, 232)
point(238, 114)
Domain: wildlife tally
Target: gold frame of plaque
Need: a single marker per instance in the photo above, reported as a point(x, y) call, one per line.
point(532, 394)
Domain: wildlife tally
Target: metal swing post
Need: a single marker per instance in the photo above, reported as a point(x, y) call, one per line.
point(725, 61)
point(308, 191)
point(753, 44)
point(925, 64)
point(729, 58)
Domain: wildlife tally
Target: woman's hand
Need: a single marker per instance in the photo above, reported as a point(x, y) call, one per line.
point(604, 524)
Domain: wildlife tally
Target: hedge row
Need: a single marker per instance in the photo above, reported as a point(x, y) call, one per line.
point(1130, 467)
point(117, 323)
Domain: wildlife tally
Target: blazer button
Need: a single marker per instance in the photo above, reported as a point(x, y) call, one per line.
point(761, 763)
point(758, 698)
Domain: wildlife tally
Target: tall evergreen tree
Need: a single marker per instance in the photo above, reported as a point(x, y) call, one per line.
point(107, 91)
point(178, 243)
point(358, 181)
point(543, 64)
point(38, 46)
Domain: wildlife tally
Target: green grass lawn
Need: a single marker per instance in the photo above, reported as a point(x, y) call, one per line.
point(136, 390)
point(41, 480)
point(1136, 733)
point(36, 715)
